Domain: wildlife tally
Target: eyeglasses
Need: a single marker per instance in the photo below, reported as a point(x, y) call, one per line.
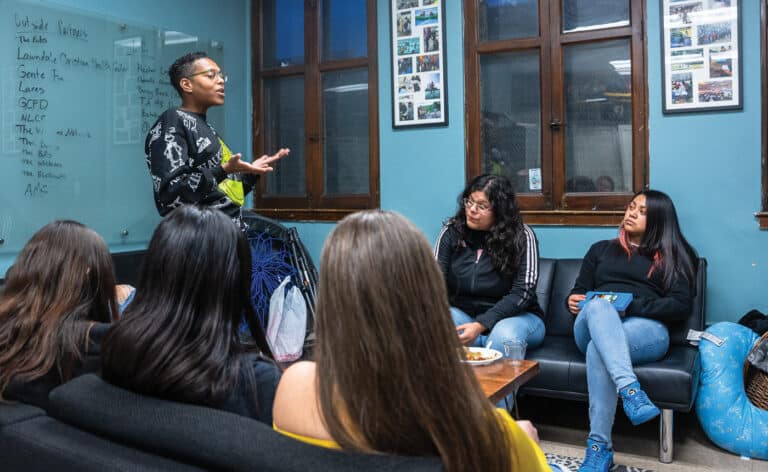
point(481, 207)
point(211, 74)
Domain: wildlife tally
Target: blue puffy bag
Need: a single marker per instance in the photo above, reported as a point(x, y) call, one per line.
point(727, 416)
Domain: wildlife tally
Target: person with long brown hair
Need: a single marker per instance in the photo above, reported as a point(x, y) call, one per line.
point(387, 376)
point(58, 300)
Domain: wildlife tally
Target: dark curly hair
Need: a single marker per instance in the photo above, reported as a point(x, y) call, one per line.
point(183, 67)
point(506, 241)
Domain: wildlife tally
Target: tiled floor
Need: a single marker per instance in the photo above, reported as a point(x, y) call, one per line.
point(563, 428)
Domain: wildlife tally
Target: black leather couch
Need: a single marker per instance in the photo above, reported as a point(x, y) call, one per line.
point(96, 426)
point(127, 267)
point(671, 383)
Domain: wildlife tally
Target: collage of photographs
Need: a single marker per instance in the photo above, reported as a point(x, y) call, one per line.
point(701, 54)
point(418, 61)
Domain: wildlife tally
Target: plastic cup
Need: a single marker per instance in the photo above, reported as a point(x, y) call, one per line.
point(515, 351)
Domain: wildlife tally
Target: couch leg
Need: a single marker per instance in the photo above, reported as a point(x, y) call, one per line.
point(666, 435)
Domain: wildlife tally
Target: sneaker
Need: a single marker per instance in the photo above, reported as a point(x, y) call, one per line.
point(637, 405)
point(597, 458)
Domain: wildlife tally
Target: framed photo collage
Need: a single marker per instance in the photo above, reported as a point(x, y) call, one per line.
point(418, 63)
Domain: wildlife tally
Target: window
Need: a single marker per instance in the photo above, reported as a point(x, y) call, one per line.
point(762, 217)
point(315, 91)
point(556, 101)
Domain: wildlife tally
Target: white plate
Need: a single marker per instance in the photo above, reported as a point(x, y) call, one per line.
point(490, 355)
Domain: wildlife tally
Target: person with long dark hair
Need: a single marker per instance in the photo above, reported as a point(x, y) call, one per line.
point(653, 261)
point(58, 300)
point(178, 340)
point(490, 262)
point(387, 376)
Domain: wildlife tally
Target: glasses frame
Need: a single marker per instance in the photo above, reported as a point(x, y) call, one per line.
point(218, 74)
point(469, 203)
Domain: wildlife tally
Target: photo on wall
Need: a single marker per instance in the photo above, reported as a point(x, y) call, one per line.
point(682, 88)
point(432, 86)
point(406, 110)
point(404, 20)
point(417, 40)
point(701, 55)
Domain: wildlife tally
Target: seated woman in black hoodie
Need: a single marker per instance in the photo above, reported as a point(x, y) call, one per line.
point(490, 261)
point(57, 303)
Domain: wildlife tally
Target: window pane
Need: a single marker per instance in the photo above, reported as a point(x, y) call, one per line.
point(502, 19)
point(345, 132)
point(598, 108)
point(511, 118)
point(580, 15)
point(284, 127)
point(283, 32)
point(345, 33)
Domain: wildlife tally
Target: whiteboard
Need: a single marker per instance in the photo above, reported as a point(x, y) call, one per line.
point(78, 93)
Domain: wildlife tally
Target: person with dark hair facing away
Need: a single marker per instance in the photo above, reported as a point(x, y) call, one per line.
point(490, 262)
point(178, 340)
point(58, 301)
point(187, 159)
point(387, 376)
point(653, 261)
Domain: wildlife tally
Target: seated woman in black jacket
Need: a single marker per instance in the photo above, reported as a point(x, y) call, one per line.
point(57, 302)
point(652, 260)
point(490, 261)
point(178, 339)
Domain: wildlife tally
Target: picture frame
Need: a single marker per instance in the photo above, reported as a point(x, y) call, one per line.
point(419, 82)
point(701, 55)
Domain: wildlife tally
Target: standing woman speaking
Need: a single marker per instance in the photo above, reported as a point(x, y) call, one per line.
point(653, 261)
point(490, 261)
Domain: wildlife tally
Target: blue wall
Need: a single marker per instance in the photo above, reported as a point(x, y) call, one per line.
point(709, 164)
point(226, 21)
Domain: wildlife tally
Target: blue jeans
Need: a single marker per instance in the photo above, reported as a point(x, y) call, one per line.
point(612, 345)
point(523, 327)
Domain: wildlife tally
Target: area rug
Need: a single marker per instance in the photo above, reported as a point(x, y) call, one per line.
point(572, 464)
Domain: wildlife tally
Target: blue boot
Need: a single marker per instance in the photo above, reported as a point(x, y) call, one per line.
point(598, 457)
point(637, 405)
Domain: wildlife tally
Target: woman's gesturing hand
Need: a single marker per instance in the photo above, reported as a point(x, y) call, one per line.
point(261, 165)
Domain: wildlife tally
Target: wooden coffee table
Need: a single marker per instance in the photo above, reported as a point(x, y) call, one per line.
point(501, 378)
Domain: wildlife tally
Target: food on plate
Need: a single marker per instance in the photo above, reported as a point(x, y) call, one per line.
point(473, 355)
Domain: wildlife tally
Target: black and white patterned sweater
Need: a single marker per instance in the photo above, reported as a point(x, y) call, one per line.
point(184, 156)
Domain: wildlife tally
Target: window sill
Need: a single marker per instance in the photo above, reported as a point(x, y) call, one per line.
point(303, 214)
point(762, 219)
point(573, 218)
point(537, 217)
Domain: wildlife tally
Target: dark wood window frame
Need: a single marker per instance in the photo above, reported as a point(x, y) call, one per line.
point(554, 206)
point(315, 205)
point(762, 216)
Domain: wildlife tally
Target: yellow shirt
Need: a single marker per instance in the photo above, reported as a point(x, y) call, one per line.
point(527, 455)
point(326, 443)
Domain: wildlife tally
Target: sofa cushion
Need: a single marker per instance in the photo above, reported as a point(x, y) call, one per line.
point(11, 413)
point(670, 382)
point(41, 443)
point(679, 331)
point(205, 436)
point(559, 321)
point(544, 284)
